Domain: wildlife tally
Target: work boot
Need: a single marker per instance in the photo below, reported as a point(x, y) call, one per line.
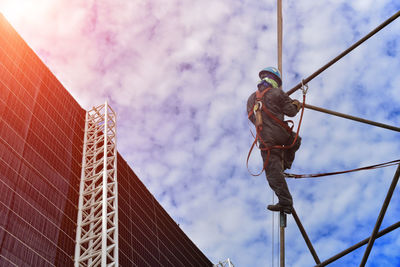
point(279, 207)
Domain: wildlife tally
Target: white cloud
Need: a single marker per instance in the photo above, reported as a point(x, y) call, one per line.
point(179, 74)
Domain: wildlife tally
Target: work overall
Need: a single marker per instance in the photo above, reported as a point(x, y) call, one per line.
point(272, 134)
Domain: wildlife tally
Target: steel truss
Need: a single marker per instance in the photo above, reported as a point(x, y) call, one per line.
point(226, 263)
point(97, 223)
point(375, 233)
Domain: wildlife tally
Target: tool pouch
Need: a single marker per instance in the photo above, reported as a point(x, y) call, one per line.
point(258, 115)
point(258, 119)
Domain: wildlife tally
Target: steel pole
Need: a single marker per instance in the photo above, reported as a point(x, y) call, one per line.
point(282, 215)
point(358, 245)
point(305, 236)
point(346, 116)
point(280, 34)
point(380, 217)
point(283, 219)
point(348, 50)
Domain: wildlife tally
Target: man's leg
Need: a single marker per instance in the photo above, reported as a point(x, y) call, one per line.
point(275, 177)
point(290, 153)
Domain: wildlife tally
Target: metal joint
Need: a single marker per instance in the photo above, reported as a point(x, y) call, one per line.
point(304, 87)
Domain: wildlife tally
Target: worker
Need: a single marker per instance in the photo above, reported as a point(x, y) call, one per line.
point(275, 132)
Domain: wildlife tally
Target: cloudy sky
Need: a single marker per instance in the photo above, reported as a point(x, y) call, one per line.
point(179, 73)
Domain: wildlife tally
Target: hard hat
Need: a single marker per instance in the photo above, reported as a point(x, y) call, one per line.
point(273, 71)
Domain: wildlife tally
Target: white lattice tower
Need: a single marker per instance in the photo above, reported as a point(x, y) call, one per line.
point(97, 223)
point(226, 263)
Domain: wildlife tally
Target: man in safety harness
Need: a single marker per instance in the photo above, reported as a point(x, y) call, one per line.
point(266, 108)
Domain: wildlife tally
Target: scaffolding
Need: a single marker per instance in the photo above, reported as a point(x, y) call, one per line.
point(375, 232)
point(226, 263)
point(97, 222)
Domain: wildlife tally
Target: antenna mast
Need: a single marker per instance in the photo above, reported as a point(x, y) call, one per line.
point(282, 216)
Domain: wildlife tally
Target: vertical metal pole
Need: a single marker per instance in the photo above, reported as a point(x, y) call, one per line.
point(104, 198)
point(280, 35)
point(116, 224)
point(380, 217)
point(282, 215)
point(273, 231)
point(282, 237)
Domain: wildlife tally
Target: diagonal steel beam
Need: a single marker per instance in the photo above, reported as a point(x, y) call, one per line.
point(338, 114)
point(348, 50)
point(358, 245)
point(305, 236)
point(380, 217)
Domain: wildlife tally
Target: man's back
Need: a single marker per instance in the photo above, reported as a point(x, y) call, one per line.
point(279, 104)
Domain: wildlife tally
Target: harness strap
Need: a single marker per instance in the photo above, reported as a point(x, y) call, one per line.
point(268, 148)
point(371, 167)
point(259, 97)
point(281, 123)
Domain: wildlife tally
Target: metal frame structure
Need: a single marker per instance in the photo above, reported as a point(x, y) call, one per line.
point(375, 233)
point(97, 222)
point(370, 240)
point(282, 217)
point(226, 263)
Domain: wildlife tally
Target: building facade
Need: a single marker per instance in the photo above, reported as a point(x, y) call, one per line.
point(41, 140)
point(148, 236)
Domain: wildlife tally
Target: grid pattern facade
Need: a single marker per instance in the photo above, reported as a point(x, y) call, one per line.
point(40, 155)
point(148, 236)
point(41, 139)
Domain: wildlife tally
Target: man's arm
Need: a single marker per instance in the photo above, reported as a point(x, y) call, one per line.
point(297, 103)
point(250, 105)
point(290, 107)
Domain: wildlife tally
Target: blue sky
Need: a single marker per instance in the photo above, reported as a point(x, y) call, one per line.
point(178, 73)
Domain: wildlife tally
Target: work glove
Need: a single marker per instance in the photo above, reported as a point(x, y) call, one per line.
point(297, 104)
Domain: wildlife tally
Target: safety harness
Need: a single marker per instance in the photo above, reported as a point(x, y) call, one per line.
point(257, 112)
point(370, 167)
point(258, 107)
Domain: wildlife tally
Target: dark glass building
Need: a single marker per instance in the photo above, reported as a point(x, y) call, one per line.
point(41, 138)
point(148, 236)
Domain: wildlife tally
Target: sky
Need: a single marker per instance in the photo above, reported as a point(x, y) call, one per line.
point(178, 73)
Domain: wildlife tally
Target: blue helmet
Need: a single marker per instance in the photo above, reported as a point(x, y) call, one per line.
point(275, 73)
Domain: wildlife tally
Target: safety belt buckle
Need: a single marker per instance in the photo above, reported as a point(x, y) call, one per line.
point(257, 106)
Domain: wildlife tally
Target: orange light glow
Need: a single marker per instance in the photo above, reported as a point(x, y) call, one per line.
point(20, 11)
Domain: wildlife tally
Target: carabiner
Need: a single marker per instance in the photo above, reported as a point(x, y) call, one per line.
point(257, 106)
point(304, 87)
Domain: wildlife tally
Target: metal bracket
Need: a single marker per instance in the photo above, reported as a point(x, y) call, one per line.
point(304, 87)
point(283, 219)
